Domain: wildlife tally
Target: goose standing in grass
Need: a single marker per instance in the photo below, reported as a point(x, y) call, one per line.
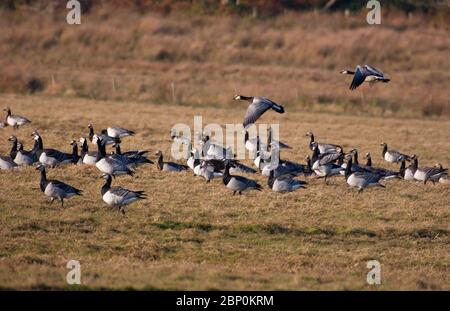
point(429, 173)
point(53, 157)
point(324, 163)
point(118, 196)
point(409, 172)
point(365, 73)
point(106, 139)
point(56, 189)
point(323, 147)
point(168, 166)
point(108, 164)
point(238, 183)
point(284, 183)
point(118, 132)
point(14, 120)
point(89, 158)
point(360, 180)
point(20, 156)
point(392, 156)
point(236, 167)
point(385, 173)
point(258, 105)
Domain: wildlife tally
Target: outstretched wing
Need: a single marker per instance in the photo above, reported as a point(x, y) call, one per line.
point(373, 71)
point(256, 109)
point(358, 77)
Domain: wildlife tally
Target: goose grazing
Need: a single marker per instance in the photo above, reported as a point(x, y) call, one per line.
point(14, 120)
point(20, 156)
point(324, 163)
point(238, 183)
point(365, 73)
point(392, 156)
point(108, 164)
point(56, 189)
point(207, 170)
point(360, 180)
point(433, 173)
point(106, 139)
point(130, 152)
point(323, 147)
point(385, 173)
point(118, 132)
point(89, 158)
point(258, 105)
point(283, 183)
point(236, 167)
point(118, 196)
point(168, 166)
point(53, 157)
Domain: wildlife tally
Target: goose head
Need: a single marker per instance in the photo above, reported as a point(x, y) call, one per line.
point(309, 134)
point(40, 167)
point(19, 146)
point(237, 97)
point(82, 140)
point(73, 143)
point(90, 126)
point(348, 157)
point(346, 72)
point(173, 133)
point(383, 144)
point(438, 165)
point(96, 139)
point(413, 157)
point(35, 135)
point(367, 155)
point(158, 153)
point(12, 139)
point(7, 110)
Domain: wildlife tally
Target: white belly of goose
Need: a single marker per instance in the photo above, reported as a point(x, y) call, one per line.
point(409, 174)
point(236, 185)
point(286, 185)
point(44, 159)
point(6, 164)
point(14, 121)
point(89, 159)
point(420, 175)
point(114, 200)
point(109, 166)
point(391, 157)
point(23, 159)
point(55, 192)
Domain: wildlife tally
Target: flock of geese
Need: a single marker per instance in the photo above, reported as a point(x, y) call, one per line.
point(209, 160)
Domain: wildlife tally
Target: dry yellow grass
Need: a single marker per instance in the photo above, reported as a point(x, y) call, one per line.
point(190, 235)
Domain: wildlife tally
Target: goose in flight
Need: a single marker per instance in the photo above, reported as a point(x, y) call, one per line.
point(13, 120)
point(258, 105)
point(365, 73)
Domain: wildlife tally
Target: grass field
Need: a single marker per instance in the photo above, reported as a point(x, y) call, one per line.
point(190, 235)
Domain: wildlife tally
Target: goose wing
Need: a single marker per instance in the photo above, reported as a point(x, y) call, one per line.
point(326, 158)
point(243, 168)
point(125, 194)
point(358, 78)
point(373, 71)
point(257, 108)
point(65, 188)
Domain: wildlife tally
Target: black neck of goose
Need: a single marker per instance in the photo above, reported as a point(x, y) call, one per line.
point(43, 183)
point(311, 140)
point(257, 143)
point(118, 151)
point(369, 161)
point(13, 151)
point(402, 168)
point(246, 137)
point(101, 150)
point(355, 157)
point(350, 72)
point(91, 133)
point(75, 156)
point(308, 164)
point(226, 174)
point(270, 180)
point(348, 168)
point(8, 113)
point(107, 185)
point(160, 163)
point(415, 164)
point(247, 98)
point(384, 149)
point(84, 149)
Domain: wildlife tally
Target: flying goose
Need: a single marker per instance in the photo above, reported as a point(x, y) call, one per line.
point(56, 189)
point(324, 163)
point(118, 132)
point(168, 166)
point(365, 73)
point(238, 183)
point(53, 157)
point(323, 147)
point(20, 156)
point(392, 156)
point(429, 173)
point(118, 196)
point(385, 173)
point(360, 180)
point(89, 158)
point(14, 120)
point(284, 183)
point(108, 164)
point(258, 105)
point(106, 139)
